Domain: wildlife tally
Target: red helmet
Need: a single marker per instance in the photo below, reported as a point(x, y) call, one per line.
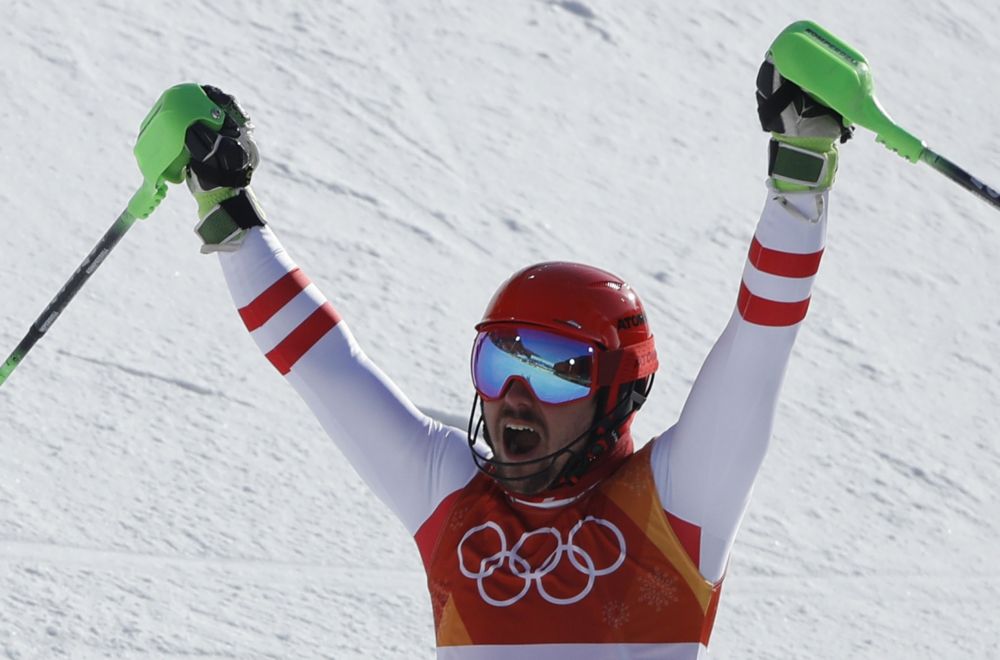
point(586, 303)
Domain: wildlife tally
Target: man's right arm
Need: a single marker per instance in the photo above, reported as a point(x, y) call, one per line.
point(409, 460)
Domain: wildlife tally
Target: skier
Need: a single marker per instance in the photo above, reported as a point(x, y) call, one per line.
point(556, 539)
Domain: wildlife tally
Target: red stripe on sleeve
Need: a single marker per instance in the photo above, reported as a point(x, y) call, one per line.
point(301, 339)
point(273, 299)
point(762, 311)
point(785, 264)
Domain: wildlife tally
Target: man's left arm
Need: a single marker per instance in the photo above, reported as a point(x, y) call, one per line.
point(706, 464)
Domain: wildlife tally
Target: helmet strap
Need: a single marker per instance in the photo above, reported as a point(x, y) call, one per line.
point(598, 440)
point(489, 466)
point(603, 434)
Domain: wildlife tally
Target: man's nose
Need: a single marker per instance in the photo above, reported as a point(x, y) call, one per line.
point(519, 393)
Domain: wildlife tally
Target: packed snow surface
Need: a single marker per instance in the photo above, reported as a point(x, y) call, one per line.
point(163, 493)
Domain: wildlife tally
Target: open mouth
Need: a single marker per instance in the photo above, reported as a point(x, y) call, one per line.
point(520, 440)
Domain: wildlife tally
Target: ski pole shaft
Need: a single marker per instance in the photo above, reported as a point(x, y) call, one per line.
point(68, 291)
point(961, 177)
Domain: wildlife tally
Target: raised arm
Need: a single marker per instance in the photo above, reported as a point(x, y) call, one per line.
point(409, 460)
point(706, 464)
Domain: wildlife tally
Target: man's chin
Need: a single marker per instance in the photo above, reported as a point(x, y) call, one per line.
point(524, 481)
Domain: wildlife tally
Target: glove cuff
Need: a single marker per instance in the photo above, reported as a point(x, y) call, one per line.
point(802, 163)
point(225, 225)
point(209, 199)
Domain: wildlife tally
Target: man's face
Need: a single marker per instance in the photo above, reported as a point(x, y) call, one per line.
point(523, 428)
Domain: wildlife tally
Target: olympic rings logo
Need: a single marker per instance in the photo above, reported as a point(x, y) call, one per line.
point(579, 558)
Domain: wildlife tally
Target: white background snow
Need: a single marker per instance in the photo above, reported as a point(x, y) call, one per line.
point(163, 493)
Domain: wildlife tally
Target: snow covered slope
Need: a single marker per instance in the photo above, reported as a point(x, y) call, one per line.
point(164, 494)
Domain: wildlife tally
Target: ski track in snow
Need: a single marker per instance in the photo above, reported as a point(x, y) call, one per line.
point(164, 494)
point(185, 385)
point(26, 554)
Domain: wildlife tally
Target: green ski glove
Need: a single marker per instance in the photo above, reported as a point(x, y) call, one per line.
point(804, 133)
point(218, 176)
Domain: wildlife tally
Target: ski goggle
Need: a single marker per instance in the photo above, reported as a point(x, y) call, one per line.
point(558, 369)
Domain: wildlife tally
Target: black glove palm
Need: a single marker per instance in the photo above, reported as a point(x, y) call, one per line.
point(225, 158)
point(784, 107)
point(219, 171)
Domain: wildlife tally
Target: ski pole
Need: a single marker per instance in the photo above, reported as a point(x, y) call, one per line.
point(839, 76)
point(70, 289)
point(161, 155)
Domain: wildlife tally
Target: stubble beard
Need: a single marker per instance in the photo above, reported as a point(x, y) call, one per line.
point(514, 480)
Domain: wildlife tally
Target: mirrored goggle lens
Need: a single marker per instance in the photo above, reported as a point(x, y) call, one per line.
point(558, 369)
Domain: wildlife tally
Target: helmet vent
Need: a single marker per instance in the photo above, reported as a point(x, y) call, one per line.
point(616, 286)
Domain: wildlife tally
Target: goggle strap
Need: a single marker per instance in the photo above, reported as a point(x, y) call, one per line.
point(627, 364)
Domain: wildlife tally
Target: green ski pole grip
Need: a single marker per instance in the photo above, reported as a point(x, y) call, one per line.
point(159, 148)
point(839, 76)
point(903, 143)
